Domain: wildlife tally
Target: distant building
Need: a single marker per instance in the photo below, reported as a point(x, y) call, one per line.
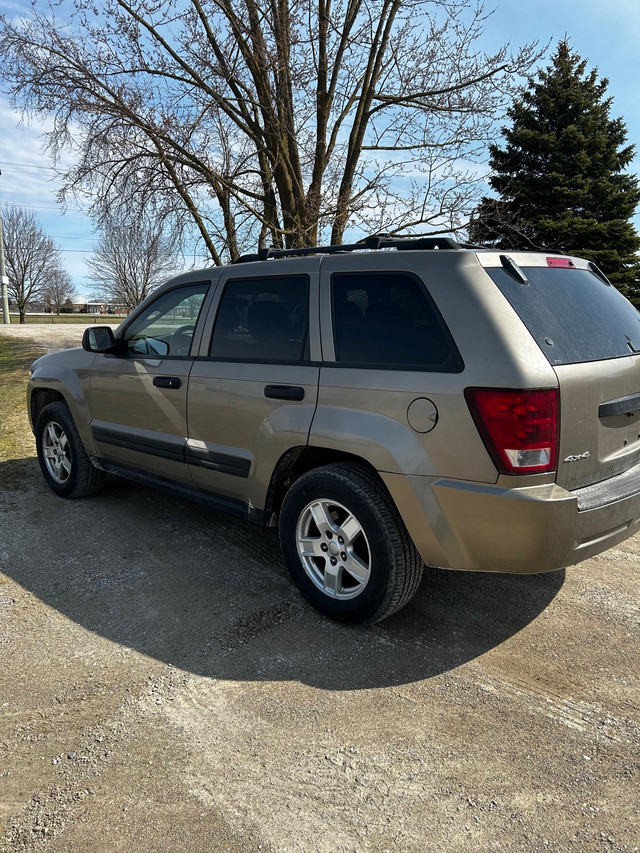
point(98, 306)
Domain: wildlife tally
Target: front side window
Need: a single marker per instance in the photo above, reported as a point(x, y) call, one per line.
point(262, 319)
point(166, 327)
point(389, 320)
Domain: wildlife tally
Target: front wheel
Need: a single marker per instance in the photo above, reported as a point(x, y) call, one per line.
point(63, 460)
point(345, 545)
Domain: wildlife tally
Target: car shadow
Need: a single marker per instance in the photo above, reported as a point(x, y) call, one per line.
point(209, 593)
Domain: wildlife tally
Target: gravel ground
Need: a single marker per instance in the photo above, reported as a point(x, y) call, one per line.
point(47, 336)
point(163, 688)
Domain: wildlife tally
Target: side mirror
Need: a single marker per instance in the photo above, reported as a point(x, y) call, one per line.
point(99, 339)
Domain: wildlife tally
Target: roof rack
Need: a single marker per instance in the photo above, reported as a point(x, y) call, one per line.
point(377, 242)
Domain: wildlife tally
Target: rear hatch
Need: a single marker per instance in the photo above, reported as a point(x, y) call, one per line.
point(590, 335)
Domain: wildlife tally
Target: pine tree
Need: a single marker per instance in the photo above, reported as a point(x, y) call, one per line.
point(560, 179)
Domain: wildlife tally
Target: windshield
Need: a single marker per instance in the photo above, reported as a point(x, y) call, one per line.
point(572, 314)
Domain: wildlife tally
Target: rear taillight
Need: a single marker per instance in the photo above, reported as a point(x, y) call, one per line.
point(519, 428)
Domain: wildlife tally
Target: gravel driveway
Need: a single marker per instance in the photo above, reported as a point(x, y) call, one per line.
point(47, 336)
point(164, 688)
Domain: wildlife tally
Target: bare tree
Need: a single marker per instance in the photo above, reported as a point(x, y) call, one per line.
point(280, 121)
point(32, 260)
point(130, 260)
point(60, 290)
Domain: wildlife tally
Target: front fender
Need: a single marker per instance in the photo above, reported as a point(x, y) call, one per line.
point(65, 374)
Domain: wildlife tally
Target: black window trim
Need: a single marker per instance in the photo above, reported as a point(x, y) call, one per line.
point(292, 362)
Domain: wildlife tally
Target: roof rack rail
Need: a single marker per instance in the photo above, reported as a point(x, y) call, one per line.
point(375, 242)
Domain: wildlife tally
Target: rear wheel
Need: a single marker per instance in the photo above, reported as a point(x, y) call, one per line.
point(63, 460)
point(345, 545)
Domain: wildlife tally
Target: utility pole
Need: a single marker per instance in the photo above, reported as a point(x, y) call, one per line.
point(4, 281)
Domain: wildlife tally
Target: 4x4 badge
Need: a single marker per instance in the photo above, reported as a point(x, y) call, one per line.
point(577, 458)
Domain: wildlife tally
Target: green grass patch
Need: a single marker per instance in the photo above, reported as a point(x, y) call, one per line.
point(16, 438)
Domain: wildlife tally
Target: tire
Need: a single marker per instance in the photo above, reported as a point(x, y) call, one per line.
point(63, 460)
point(346, 546)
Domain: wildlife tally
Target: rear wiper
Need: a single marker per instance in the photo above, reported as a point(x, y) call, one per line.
point(513, 269)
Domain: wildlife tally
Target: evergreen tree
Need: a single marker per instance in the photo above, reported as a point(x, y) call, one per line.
point(560, 180)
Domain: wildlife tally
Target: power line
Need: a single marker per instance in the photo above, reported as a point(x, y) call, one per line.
point(35, 207)
point(26, 165)
point(91, 251)
point(78, 251)
point(68, 237)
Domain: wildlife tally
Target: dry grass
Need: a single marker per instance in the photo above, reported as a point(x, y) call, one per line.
point(16, 439)
point(83, 319)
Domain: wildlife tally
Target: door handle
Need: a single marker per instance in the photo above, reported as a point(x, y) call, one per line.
point(284, 392)
point(166, 381)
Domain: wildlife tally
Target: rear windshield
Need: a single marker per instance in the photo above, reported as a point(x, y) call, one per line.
point(572, 314)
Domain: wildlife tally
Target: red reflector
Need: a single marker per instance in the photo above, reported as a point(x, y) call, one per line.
point(560, 262)
point(519, 428)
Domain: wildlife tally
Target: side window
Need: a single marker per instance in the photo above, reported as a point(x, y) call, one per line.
point(166, 326)
point(388, 320)
point(262, 319)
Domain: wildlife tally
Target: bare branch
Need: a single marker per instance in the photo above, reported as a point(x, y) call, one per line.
point(244, 121)
point(33, 262)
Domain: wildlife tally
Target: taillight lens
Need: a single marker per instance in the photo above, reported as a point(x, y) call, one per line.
point(519, 428)
point(567, 263)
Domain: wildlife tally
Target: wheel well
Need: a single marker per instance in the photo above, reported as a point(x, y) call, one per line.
point(293, 464)
point(42, 398)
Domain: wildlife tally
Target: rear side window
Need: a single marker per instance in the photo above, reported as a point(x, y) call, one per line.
point(262, 319)
point(572, 315)
point(389, 320)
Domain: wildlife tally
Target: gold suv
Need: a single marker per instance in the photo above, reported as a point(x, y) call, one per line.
point(386, 404)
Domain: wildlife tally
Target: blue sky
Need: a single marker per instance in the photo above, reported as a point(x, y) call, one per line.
point(607, 34)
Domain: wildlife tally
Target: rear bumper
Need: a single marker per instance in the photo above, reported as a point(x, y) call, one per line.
point(461, 525)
